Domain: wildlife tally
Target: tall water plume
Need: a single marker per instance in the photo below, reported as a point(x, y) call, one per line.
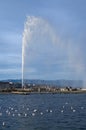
point(46, 55)
point(37, 33)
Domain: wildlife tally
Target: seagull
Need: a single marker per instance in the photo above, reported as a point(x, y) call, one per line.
point(82, 107)
point(71, 108)
point(63, 106)
point(19, 114)
point(41, 113)
point(74, 110)
point(51, 111)
point(27, 109)
point(35, 110)
point(7, 111)
point(3, 123)
point(16, 110)
point(11, 109)
point(33, 114)
point(13, 114)
point(0, 114)
point(62, 111)
point(25, 114)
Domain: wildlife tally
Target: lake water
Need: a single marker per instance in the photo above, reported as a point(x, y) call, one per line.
point(43, 112)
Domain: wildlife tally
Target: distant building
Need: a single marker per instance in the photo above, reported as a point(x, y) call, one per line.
point(4, 85)
point(83, 89)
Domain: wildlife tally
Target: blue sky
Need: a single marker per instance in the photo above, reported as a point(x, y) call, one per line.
point(68, 19)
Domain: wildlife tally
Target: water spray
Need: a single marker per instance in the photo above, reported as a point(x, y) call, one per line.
point(42, 45)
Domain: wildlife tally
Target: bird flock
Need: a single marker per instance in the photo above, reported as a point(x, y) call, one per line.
point(24, 111)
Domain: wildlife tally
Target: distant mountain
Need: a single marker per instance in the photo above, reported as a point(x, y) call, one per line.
point(60, 83)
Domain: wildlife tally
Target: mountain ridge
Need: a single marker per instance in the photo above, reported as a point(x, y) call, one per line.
point(58, 82)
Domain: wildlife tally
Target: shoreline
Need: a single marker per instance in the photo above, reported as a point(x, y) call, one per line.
point(17, 88)
point(58, 92)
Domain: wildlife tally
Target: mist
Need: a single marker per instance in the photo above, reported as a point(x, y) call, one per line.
point(45, 55)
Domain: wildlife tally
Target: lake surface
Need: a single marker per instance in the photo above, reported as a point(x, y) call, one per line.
point(43, 112)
